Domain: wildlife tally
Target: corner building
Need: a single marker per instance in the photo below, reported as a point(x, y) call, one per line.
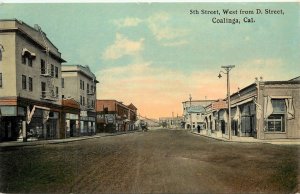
point(30, 83)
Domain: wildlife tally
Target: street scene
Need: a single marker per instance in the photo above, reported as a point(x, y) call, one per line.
point(156, 98)
point(157, 161)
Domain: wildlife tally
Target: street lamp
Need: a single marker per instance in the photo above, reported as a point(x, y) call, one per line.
point(191, 113)
point(227, 69)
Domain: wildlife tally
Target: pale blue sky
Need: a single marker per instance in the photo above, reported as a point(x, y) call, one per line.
point(161, 48)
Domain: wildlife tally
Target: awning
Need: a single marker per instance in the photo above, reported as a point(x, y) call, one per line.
point(28, 51)
point(242, 102)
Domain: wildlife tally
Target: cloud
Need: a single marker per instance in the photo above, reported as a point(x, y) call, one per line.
point(123, 46)
point(178, 43)
point(127, 22)
point(159, 25)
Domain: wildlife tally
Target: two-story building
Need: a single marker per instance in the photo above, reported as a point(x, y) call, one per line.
point(30, 82)
point(79, 84)
point(113, 116)
point(192, 111)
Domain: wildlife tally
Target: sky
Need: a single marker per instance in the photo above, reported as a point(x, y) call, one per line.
point(155, 54)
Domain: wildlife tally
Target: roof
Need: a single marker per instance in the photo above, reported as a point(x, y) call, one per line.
point(85, 70)
point(131, 106)
point(30, 34)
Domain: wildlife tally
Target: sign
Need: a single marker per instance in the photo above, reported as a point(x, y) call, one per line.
point(219, 105)
point(83, 113)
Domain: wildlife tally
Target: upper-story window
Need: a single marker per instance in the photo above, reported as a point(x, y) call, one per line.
point(24, 82)
point(52, 70)
point(30, 84)
point(1, 84)
point(56, 72)
point(43, 66)
point(63, 82)
point(27, 57)
point(87, 88)
point(1, 51)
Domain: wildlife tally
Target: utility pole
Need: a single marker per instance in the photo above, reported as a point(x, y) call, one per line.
point(227, 69)
point(191, 112)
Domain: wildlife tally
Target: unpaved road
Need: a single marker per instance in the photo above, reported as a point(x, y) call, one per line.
point(161, 161)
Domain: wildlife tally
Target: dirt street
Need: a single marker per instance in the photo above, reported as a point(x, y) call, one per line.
point(161, 161)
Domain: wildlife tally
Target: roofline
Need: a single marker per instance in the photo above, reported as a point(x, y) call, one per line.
point(22, 32)
point(198, 101)
point(80, 71)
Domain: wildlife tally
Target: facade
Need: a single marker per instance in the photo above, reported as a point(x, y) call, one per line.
point(70, 118)
point(192, 111)
point(171, 122)
point(264, 110)
point(79, 84)
point(115, 116)
point(30, 82)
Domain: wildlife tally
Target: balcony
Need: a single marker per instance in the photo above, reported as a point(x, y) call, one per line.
point(46, 95)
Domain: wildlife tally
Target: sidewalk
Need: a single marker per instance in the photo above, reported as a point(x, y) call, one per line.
point(57, 141)
point(252, 140)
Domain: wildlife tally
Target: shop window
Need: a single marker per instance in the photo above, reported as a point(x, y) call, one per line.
point(30, 84)
point(275, 123)
point(24, 82)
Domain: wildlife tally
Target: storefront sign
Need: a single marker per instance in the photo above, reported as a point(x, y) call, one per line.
point(219, 105)
point(83, 113)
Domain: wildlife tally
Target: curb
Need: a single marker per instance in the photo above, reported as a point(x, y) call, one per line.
point(60, 141)
point(258, 141)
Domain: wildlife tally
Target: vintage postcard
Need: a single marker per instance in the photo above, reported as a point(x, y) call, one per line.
point(149, 97)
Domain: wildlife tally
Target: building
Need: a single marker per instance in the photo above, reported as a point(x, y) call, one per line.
point(79, 84)
point(264, 110)
point(30, 82)
point(113, 116)
point(171, 122)
point(192, 113)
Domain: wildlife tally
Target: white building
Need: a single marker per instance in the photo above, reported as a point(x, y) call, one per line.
point(192, 111)
point(79, 83)
point(30, 82)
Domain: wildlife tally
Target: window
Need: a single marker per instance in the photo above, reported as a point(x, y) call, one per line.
point(24, 59)
point(43, 67)
point(1, 84)
point(52, 70)
point(56, 72)
point(83, 101)
point(62, 82)
point(30, 83)
point(62, 96)
point(30, 61)
point(87, 88)
point(1, 49)
point(24, 82)
point(80, 99)
point(43, 89)
point(56, 91)
point(276, 121)
point(83, 85)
